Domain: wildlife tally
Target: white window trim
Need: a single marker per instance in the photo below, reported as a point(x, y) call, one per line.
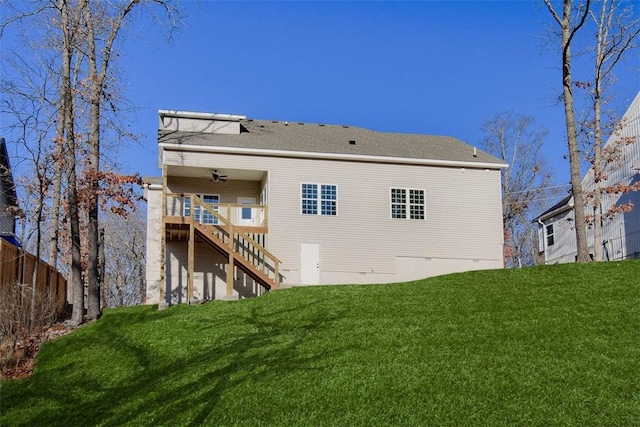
point(547, 235)
point(408, 204)
point(319, 200)
point(201, 196)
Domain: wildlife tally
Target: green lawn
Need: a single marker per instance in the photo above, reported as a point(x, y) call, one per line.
point(555, 345)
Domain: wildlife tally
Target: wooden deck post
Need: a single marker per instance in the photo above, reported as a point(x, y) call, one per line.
point(230, 277)
point(190, 262)
point(163, 243)
point(230, 265)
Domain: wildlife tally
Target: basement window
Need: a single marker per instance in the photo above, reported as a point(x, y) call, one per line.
point(319, 199)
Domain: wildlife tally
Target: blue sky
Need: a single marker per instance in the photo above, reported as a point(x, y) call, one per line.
point(429, 67)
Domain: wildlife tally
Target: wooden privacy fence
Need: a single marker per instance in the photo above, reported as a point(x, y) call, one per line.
point(17, 266)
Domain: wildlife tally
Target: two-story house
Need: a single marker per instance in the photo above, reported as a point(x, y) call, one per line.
point(245, 205)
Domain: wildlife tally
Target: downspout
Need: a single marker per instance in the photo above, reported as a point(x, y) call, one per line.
point(544, 240)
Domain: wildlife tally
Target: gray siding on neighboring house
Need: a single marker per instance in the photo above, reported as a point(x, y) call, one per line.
point(621, 232)
point(563, 249)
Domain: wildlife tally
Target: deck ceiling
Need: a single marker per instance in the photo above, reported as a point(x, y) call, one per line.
point(232, 174)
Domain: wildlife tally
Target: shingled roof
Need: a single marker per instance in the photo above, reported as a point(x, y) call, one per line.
point(334, 139)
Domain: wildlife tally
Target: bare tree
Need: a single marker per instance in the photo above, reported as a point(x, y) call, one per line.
point(31, 121)
point(617, 31)
point(103, 22)
point(69, 31)
point(124, 247)
point(83, 33)
point(518, 141)
point(570, 22)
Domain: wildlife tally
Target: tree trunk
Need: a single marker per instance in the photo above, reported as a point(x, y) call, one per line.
point(597, 179)
point(59, 165)
point(572, 138)
point(93, 293)
point(34, 275)
point(77, 315)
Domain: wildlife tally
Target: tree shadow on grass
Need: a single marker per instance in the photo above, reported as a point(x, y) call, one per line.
point(177, 390)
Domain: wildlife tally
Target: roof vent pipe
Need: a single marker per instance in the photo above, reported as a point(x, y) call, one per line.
point(475, 152)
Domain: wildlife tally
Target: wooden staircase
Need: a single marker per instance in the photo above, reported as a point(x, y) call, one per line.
point(230, 240)
point(249, 256)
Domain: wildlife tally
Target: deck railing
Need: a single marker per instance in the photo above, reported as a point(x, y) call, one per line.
point(244, 215)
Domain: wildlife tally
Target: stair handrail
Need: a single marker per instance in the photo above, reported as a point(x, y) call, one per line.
point(232, 231)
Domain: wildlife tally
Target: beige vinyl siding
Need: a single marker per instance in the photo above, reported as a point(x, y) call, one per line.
point(154, 244)
point(209, 274)
point(360, 244)
point(228, 191)
point(181, 124)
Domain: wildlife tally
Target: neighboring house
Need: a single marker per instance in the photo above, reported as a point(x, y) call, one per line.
point(8, 199)
point(246, 205)
point(621, 233)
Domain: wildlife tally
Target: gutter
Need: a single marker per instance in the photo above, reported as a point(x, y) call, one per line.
point(329, 156)
point(193, 115)
point(544, 240)
point(152, 186)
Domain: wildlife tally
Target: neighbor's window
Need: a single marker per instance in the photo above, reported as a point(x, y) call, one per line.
point(407, 203)
point(319, 199)
point(549, 234)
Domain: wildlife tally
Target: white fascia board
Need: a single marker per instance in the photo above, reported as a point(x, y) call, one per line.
point(329, 156)
point(196, 115)
point(557, 211)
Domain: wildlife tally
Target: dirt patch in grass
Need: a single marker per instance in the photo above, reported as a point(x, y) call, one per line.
point(18, 361)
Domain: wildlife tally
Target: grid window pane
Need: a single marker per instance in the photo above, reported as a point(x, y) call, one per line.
point(323, 201)
point(398, 195)
point(186, 207)
point(398, 211)
point(329, 208)
point(416, 203)
point(417, 212)
point(416, 197)
point(309, 191)
point(207, 217)
point(398, 203)
point(310, 207)
point(309, 199)
point(329, 194)
point(411, 205)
